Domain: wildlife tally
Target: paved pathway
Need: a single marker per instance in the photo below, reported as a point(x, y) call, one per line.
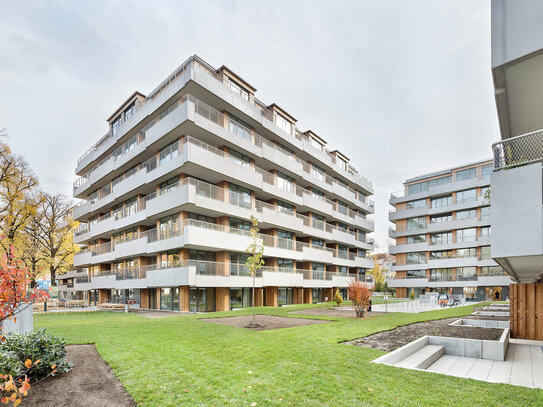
point(523, 366)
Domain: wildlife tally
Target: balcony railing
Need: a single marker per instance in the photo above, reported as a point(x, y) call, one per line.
point(518, 151)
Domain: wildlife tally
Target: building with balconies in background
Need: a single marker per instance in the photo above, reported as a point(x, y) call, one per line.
point(443, 235)
point(167, 195)
point(517, 180)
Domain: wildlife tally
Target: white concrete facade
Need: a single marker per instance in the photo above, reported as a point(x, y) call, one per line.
point(443, 235)
point(168, 192)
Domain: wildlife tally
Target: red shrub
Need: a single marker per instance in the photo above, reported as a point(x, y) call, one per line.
point(360, 295)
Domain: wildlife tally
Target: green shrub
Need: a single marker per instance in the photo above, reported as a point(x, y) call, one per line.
point(412, 294)
point(34, 345)
point(338, 298)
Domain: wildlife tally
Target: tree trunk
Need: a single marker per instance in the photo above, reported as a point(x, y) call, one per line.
point(53, 276)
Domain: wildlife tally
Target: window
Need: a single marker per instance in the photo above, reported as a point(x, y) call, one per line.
point(342, 207)
point(342, 163)
point(466, 235)
point(168, 153)
point(317, 172)
point(237, 89)
point(441, 238)
point(441, 254)
point(416, 258)
point(471, 213)
point(441, 274)
point(285, 182)
point(116, 124)
point(240, 196)
point(416, 273)
point(284, 206)
point(416, 223)
point(466, 273)
point(316, 144)
point(169, 298)
point(238, 264)
point(416, 239)
point(239, 158)
point(468, 195)
point(167, 186)
point(317, 194)
point(283, 123)
point(131, 206)
point(169, 258)
point(486, 171)
point(485, 253)
point(485, 231)
point(201, 218)
point(419, 203)
point(441, 201)
point(485, 193)
point(485, 212)
point(317, 242)
point(447, 217)
point(285, 239)
point(130, 110)
point(317, 267)
point(285, 263)
point(317, 221)
point(466, 174)
point(239, 127)
point(201, 255)
point(423, 186)
point(169, 226)
point(239, 224)
point(492, 271)
point(469, 252)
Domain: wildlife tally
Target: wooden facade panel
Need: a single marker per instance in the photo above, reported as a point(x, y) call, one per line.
point(526, 314)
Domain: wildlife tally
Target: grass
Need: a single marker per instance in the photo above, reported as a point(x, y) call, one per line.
point(182, 360)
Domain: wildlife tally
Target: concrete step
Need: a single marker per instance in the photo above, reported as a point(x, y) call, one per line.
point(422, 358)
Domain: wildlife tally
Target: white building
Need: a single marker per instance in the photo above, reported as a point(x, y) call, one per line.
point(169, 190)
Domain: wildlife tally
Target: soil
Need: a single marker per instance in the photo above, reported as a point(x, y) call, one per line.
point(90, 382)
point(266, 322)
point(334, 312)
point(396, 338)
point(489, 317)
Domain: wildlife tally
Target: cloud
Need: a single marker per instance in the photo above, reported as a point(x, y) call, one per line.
point(403, 88)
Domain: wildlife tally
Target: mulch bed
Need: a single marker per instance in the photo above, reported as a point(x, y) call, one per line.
point(91, 382)
point(267, 322)
point(396, 338)
point(334, 312)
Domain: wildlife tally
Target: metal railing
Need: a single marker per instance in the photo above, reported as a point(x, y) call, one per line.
point(518, 151)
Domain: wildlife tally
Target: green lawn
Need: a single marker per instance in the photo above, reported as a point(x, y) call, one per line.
point(182, 360)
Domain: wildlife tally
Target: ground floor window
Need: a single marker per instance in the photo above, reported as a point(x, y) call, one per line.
point(202, 300)
point(169, 298)
point(470, 293)
point(343, 292)
point(285, 296)
point(240, 297)
point(317, 295)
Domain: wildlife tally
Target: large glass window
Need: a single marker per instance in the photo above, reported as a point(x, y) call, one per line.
point(238, 264)
point(237, 89)
point(441, 254)
point(485, 212)
point(317, 172)
point(471, 213)
point(169, 152)
point(416, 258)
point(169, 226)
point(240, 196)
point(317, 221)
point(486, 171)
point(283, 206)
point(485, 231)
point(416, 273)
point(446, 217)
point(441, 201)
point(170, 258)
point(239, 224)
point(441, 238)
point(423, 186)
point(239, 158)
point(485, 253)
point(466, 235)
point(285, 263)
point(416, 239)
point(239, 127)
point(285, 182)
point(201, 218)
point(466, 273)
point(419, 203)
point(441, 274)
point(469, 195)
point(169, 298)
point(416, 223)
point(283, 124)
point(468, 252)
point(466, 174)
point(315, 193)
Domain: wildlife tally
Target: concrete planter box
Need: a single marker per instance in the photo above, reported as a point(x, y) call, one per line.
point(491, 313)
point(399, 354)
point(474, 348)
point(482, 323)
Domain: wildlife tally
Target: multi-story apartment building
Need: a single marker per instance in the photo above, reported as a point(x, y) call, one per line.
point(443, 235)
point(517, 180)
point(168, 192)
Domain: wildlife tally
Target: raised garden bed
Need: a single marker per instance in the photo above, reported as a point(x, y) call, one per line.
point(334, 312)
point(266, 322)
point(483, 323)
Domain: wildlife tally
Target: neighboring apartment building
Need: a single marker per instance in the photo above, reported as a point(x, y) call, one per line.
point(443, 235)
point(517, 180)
point(168, 192)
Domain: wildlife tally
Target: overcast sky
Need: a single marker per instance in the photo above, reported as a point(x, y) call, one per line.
point(401, 87)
